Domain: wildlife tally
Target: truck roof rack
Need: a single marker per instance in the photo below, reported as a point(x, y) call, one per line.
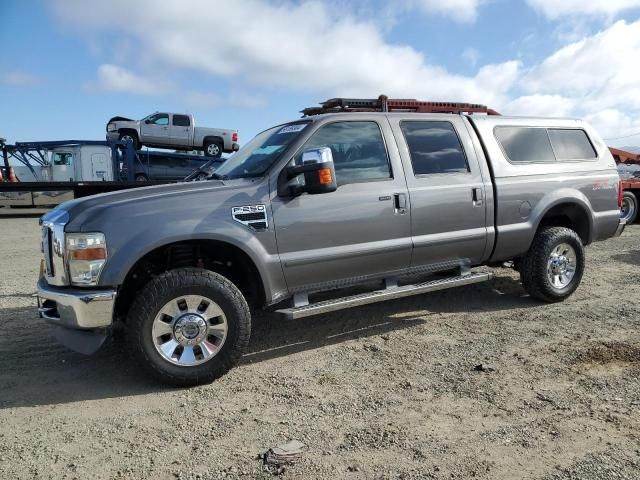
point(385, 104)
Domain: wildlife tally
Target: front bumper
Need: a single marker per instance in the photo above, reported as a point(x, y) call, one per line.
point(113, 136)
point(75, 308)
point(621, 225)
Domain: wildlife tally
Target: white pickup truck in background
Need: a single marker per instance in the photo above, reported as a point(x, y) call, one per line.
point(175, 131)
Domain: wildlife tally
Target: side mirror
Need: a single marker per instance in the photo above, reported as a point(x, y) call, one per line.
point(147, 121)
point(319, 172)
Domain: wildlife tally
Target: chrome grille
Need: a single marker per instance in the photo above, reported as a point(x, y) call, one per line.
point(47, 250)
point(53, 247)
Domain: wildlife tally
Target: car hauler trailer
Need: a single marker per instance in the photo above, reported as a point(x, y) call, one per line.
point(630, 182)
point(51, 172)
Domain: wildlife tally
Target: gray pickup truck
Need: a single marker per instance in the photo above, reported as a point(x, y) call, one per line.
point(399, 204)
point(172, 130)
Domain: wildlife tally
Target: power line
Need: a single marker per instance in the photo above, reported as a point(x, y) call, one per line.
point(625, 136)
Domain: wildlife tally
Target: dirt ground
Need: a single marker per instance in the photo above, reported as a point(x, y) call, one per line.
point(384, 391)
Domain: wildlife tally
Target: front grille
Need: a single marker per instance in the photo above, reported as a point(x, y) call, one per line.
point(247, 217)
point(47, 248)
point(258, 225)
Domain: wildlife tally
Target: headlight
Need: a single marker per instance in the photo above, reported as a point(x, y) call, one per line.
point(86, 255)
point(111, 127)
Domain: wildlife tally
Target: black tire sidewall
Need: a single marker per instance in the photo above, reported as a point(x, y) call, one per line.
point(133, 136)
point(534, 266)
point(634, 200)
point(169, 286)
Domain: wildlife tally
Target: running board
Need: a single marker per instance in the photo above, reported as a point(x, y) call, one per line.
point(294, 313)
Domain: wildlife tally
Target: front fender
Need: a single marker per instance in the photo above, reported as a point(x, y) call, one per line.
point(122, 259)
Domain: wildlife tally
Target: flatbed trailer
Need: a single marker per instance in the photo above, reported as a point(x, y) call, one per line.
point(33, 155)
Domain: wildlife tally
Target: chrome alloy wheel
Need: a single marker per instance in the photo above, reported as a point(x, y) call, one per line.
point(213, 149)
point(561, 267)
point(189, 330)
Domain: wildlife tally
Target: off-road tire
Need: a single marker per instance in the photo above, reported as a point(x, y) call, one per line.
point(209, 143)
point(533, 266)
point(185, 281)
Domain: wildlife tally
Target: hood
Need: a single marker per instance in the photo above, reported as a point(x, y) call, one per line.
point(85, 213)
point(120, 119)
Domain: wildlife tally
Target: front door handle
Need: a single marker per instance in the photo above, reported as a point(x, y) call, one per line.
point(400, 203)
point(477, 196)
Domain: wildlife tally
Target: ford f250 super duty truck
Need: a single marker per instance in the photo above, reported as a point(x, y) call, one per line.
point(317, 205)
point(172, 130)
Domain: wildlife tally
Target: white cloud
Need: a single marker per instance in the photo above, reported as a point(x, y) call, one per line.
point(15, 78)
point(615, 125)
point(602, 71)
point(113, 78)
point(555, 9)
point(540, 105)
point(597, 78)
point(313, 48)
point(305, 47)
point(464, 11)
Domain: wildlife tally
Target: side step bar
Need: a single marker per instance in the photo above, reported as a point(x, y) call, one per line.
point(294, 313)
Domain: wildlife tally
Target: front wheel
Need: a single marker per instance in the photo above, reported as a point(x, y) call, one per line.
point(188, 326)
point(552, 268)
point(128, 137)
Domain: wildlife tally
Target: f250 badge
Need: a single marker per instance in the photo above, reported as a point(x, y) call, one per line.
point(253, 216)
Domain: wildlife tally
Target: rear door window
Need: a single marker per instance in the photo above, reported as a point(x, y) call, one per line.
point(434, 147)
point(525, 144)
point(571, 144)
point(181, 121)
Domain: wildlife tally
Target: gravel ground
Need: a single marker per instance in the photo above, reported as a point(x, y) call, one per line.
point(384, 391)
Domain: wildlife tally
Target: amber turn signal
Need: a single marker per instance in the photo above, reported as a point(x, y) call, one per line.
point(98, 253)
point(324, 176)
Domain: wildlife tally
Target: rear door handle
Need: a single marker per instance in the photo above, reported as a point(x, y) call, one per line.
point(477, 196)
point(400, 203)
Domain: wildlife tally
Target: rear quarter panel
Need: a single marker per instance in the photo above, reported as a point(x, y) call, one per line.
point(527, 191)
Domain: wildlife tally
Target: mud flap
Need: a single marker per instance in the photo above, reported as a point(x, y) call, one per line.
point(86, 342)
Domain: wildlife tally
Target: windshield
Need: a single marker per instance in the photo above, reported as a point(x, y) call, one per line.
point(257, 156)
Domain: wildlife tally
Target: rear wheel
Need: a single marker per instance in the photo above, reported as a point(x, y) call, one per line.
point(141, 177)
point(213, 149)
point(552, 268)
point(629, 209)
point(188, 326)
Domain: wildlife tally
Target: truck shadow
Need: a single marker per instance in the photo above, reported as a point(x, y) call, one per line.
point(38, 371)
point(632, 258)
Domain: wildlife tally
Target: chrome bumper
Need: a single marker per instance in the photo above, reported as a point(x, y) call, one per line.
point(75, 308)
point(621, 225)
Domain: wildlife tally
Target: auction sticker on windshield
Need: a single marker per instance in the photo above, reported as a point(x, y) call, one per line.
point(292, 128)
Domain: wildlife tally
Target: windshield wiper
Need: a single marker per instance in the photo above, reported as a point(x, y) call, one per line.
point(217, 176)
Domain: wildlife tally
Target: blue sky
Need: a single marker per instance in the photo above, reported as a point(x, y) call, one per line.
point(69, 65)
